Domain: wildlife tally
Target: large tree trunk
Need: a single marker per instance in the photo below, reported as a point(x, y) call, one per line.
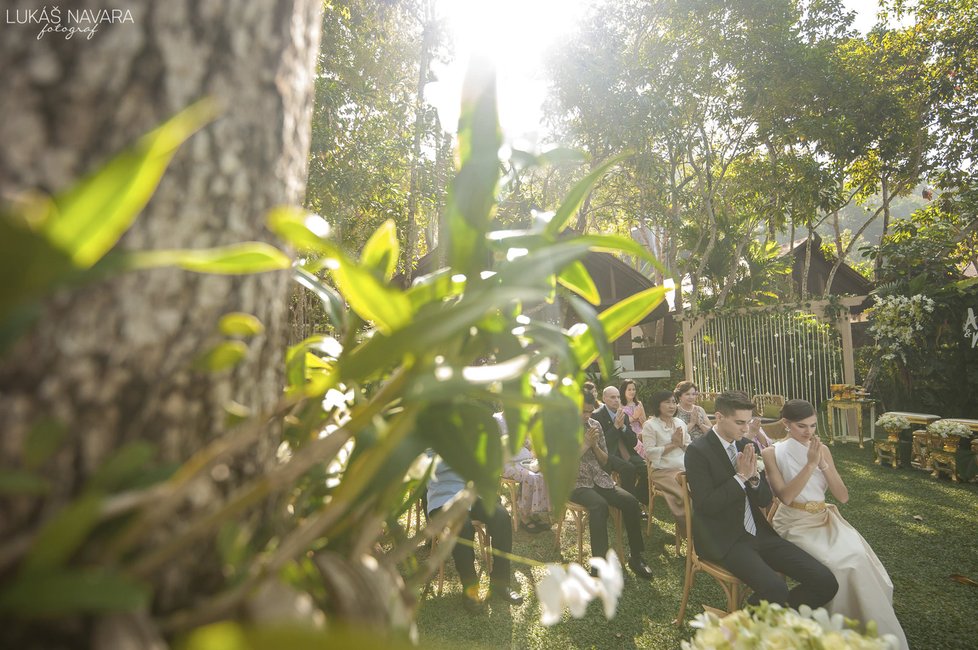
point(113, 361)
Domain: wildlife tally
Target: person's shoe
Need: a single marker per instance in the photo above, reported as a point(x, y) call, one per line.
point(505, 595)
point(534, 527)
point(471, 601)
point(640, 569)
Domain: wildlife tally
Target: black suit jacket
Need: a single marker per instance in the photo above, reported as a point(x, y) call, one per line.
point(718, 498)
point(613, 434)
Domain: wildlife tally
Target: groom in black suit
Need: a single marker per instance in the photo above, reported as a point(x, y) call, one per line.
point(730, 529)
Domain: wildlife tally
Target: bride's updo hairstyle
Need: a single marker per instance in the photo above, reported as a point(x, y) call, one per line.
point(796, 410)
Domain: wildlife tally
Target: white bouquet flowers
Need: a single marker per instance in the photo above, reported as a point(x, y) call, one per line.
point(892, 421)
point(772, 626)
point(947, 428)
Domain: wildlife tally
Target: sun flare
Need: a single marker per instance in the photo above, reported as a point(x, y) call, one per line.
point(514, 35)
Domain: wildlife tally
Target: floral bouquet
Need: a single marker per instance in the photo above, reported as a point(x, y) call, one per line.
point(947, 428)
point(772, 626)
point(893, 422)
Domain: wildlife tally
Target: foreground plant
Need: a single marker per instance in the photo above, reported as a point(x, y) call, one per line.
point(772, 626)
point(394, 372)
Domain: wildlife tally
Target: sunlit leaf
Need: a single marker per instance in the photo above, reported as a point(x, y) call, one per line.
point(237, 259)
point(240, 324)
point(232, 636)
point(222, 356)
point(381, 250)
point(304, 231)
point(89, 219)
point(576, 278)
point(595, 333)
point(386, 307)
point(70, 592)
point(617, 320)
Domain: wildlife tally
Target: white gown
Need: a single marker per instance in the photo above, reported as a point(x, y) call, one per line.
point(865, 590)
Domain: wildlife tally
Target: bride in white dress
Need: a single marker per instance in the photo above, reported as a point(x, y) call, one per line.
point(800, 468)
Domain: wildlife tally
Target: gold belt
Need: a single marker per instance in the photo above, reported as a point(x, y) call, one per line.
point(813, 507)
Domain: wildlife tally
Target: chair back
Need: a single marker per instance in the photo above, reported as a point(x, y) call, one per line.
point(688, 514)
point(768, 404)
point(773, 508)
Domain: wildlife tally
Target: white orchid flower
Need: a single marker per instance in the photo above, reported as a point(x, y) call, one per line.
point(612, 581)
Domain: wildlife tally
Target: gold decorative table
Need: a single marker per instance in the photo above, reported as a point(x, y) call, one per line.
point(857, 405)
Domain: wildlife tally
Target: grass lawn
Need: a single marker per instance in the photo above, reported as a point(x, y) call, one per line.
point(936, 612)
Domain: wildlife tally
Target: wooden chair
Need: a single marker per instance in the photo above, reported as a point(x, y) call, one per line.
point(731, 585)
point(510, 489)
point(582, 520)
point(485, 552)
point(653, 493)
point(768, 404)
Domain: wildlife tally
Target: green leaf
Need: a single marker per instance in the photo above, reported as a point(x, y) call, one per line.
point(388, 308)
point(240, 324)
point(576, 196)
point(381, 251)
point(42, 441)
point(91, 217)
point(557, 437)
point(61, 536)
point(467, 437)
point(617, 243)
point(576, 278)
point(232, 636)
point(13, 481)
point(332, 302)
point(222, 356)
point(46, 594)
point(472, 193)
point(617, 320)
point(237, 259)
point(304, 231)
point(595, 330)
point(434, 287)
point(125, 464)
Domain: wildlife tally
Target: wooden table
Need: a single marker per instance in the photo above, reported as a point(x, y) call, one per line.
point(849, 405)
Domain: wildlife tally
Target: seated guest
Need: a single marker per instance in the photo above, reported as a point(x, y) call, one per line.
point(633, 408)
point(665, 440)
point(596, 491)
point(620, 440)
point(446, 483)
point(689, 411)
point(800, 469)
point(756, 434)
point(728, 524)
point(533, 507)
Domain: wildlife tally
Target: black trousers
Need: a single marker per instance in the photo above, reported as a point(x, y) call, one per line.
point(757, 561)
point(632, 475)
point(499, 526)
point(597, 500)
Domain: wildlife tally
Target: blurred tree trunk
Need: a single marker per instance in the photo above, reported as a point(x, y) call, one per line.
point(113, 361)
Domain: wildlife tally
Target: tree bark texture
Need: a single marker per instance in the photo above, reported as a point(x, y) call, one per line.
point(113, 361)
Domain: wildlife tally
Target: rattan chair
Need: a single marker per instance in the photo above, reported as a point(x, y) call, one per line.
point(582, 520)
point(653, 493)
point(510, 489)
point(731, 585)
point(485, 552)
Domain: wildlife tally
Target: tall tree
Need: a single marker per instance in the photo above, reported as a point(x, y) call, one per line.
point(114, 363)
